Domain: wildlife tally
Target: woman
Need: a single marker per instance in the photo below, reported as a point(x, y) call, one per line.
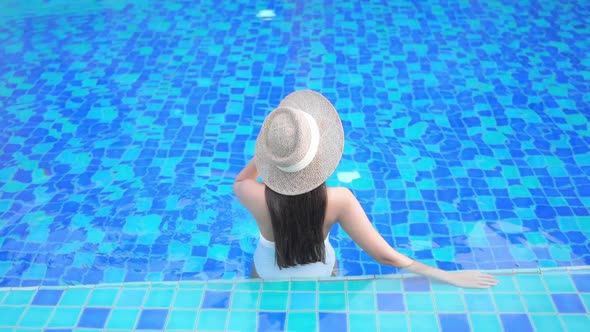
point(298, 148)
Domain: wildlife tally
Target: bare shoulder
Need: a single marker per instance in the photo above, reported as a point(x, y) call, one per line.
point(339, 194)
point(338, 199)
point(250, 193)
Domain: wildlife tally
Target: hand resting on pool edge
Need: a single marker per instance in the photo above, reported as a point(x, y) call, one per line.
point(298, 148)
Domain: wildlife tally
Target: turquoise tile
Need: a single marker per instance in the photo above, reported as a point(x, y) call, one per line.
point(419, 302)
point(546, 323)
point(244, 300)
point(332, 286)
point(310, 286)
point(360, 285)
point(249, 286)
point(586, 299)
point(424, 322)
point(19, 297)
point(506, 284)
point(188, 299)
point(122, 318)
point(10, 315)
point(36, 317)
point(302, 321)
point(393, 322)
point(576, 323)
point(559, 283)
point(388, 285)
point(275, 286)
point(210, 320)
point(159, 298)
point(479, 302)
point(449, 302)
point(485, 322)
point(332, 302)
point(361, 302)
point(273, 300)
point(184, 320)
point(3, 294)
point(508, 303)
point(530, 283)
point(539, 303)
point(102, 298)
point(242, 321)
point(362, 322)
point(64, 317)
point(131, 298)
point(303, 301)
point(74, 297)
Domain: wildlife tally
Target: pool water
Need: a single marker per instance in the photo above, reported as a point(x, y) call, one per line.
point(124, 123)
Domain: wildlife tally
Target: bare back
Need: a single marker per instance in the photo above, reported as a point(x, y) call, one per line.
point(256, 204)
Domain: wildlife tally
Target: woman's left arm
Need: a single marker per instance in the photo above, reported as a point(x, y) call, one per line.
point(249, 191)
point(249, 172)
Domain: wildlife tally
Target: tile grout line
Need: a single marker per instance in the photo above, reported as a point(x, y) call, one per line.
point(171, 306)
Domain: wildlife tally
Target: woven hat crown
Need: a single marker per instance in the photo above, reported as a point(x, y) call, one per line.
point(288, 137)
point(300, 143)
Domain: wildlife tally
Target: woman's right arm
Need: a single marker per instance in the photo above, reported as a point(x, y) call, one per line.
point(354, 221)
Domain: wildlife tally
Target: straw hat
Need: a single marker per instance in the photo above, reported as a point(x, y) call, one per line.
point(300, 143)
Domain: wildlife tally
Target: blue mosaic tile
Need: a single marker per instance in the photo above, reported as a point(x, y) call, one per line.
point(216, 300)
point(332, 321)
point(390, 302)
point(454, 322)
point(416, 285)
point(152, 319)
point(93, 318)
point(582, 282)
point(269, 321)
point(568, 303)
point(516, 322)
point(47, 297)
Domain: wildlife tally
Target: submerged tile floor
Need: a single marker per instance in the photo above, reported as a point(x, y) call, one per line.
point(525, 300)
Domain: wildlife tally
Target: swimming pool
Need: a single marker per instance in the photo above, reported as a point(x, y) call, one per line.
point(124, 124)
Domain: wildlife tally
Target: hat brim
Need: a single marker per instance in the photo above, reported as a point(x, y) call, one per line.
point(329, 150)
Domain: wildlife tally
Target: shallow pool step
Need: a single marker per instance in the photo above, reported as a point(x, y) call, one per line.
point(525, 300)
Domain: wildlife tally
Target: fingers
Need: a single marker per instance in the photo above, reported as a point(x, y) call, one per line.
point(483, 280)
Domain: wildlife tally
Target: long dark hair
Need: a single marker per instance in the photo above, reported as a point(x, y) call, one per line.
point(297, 226)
